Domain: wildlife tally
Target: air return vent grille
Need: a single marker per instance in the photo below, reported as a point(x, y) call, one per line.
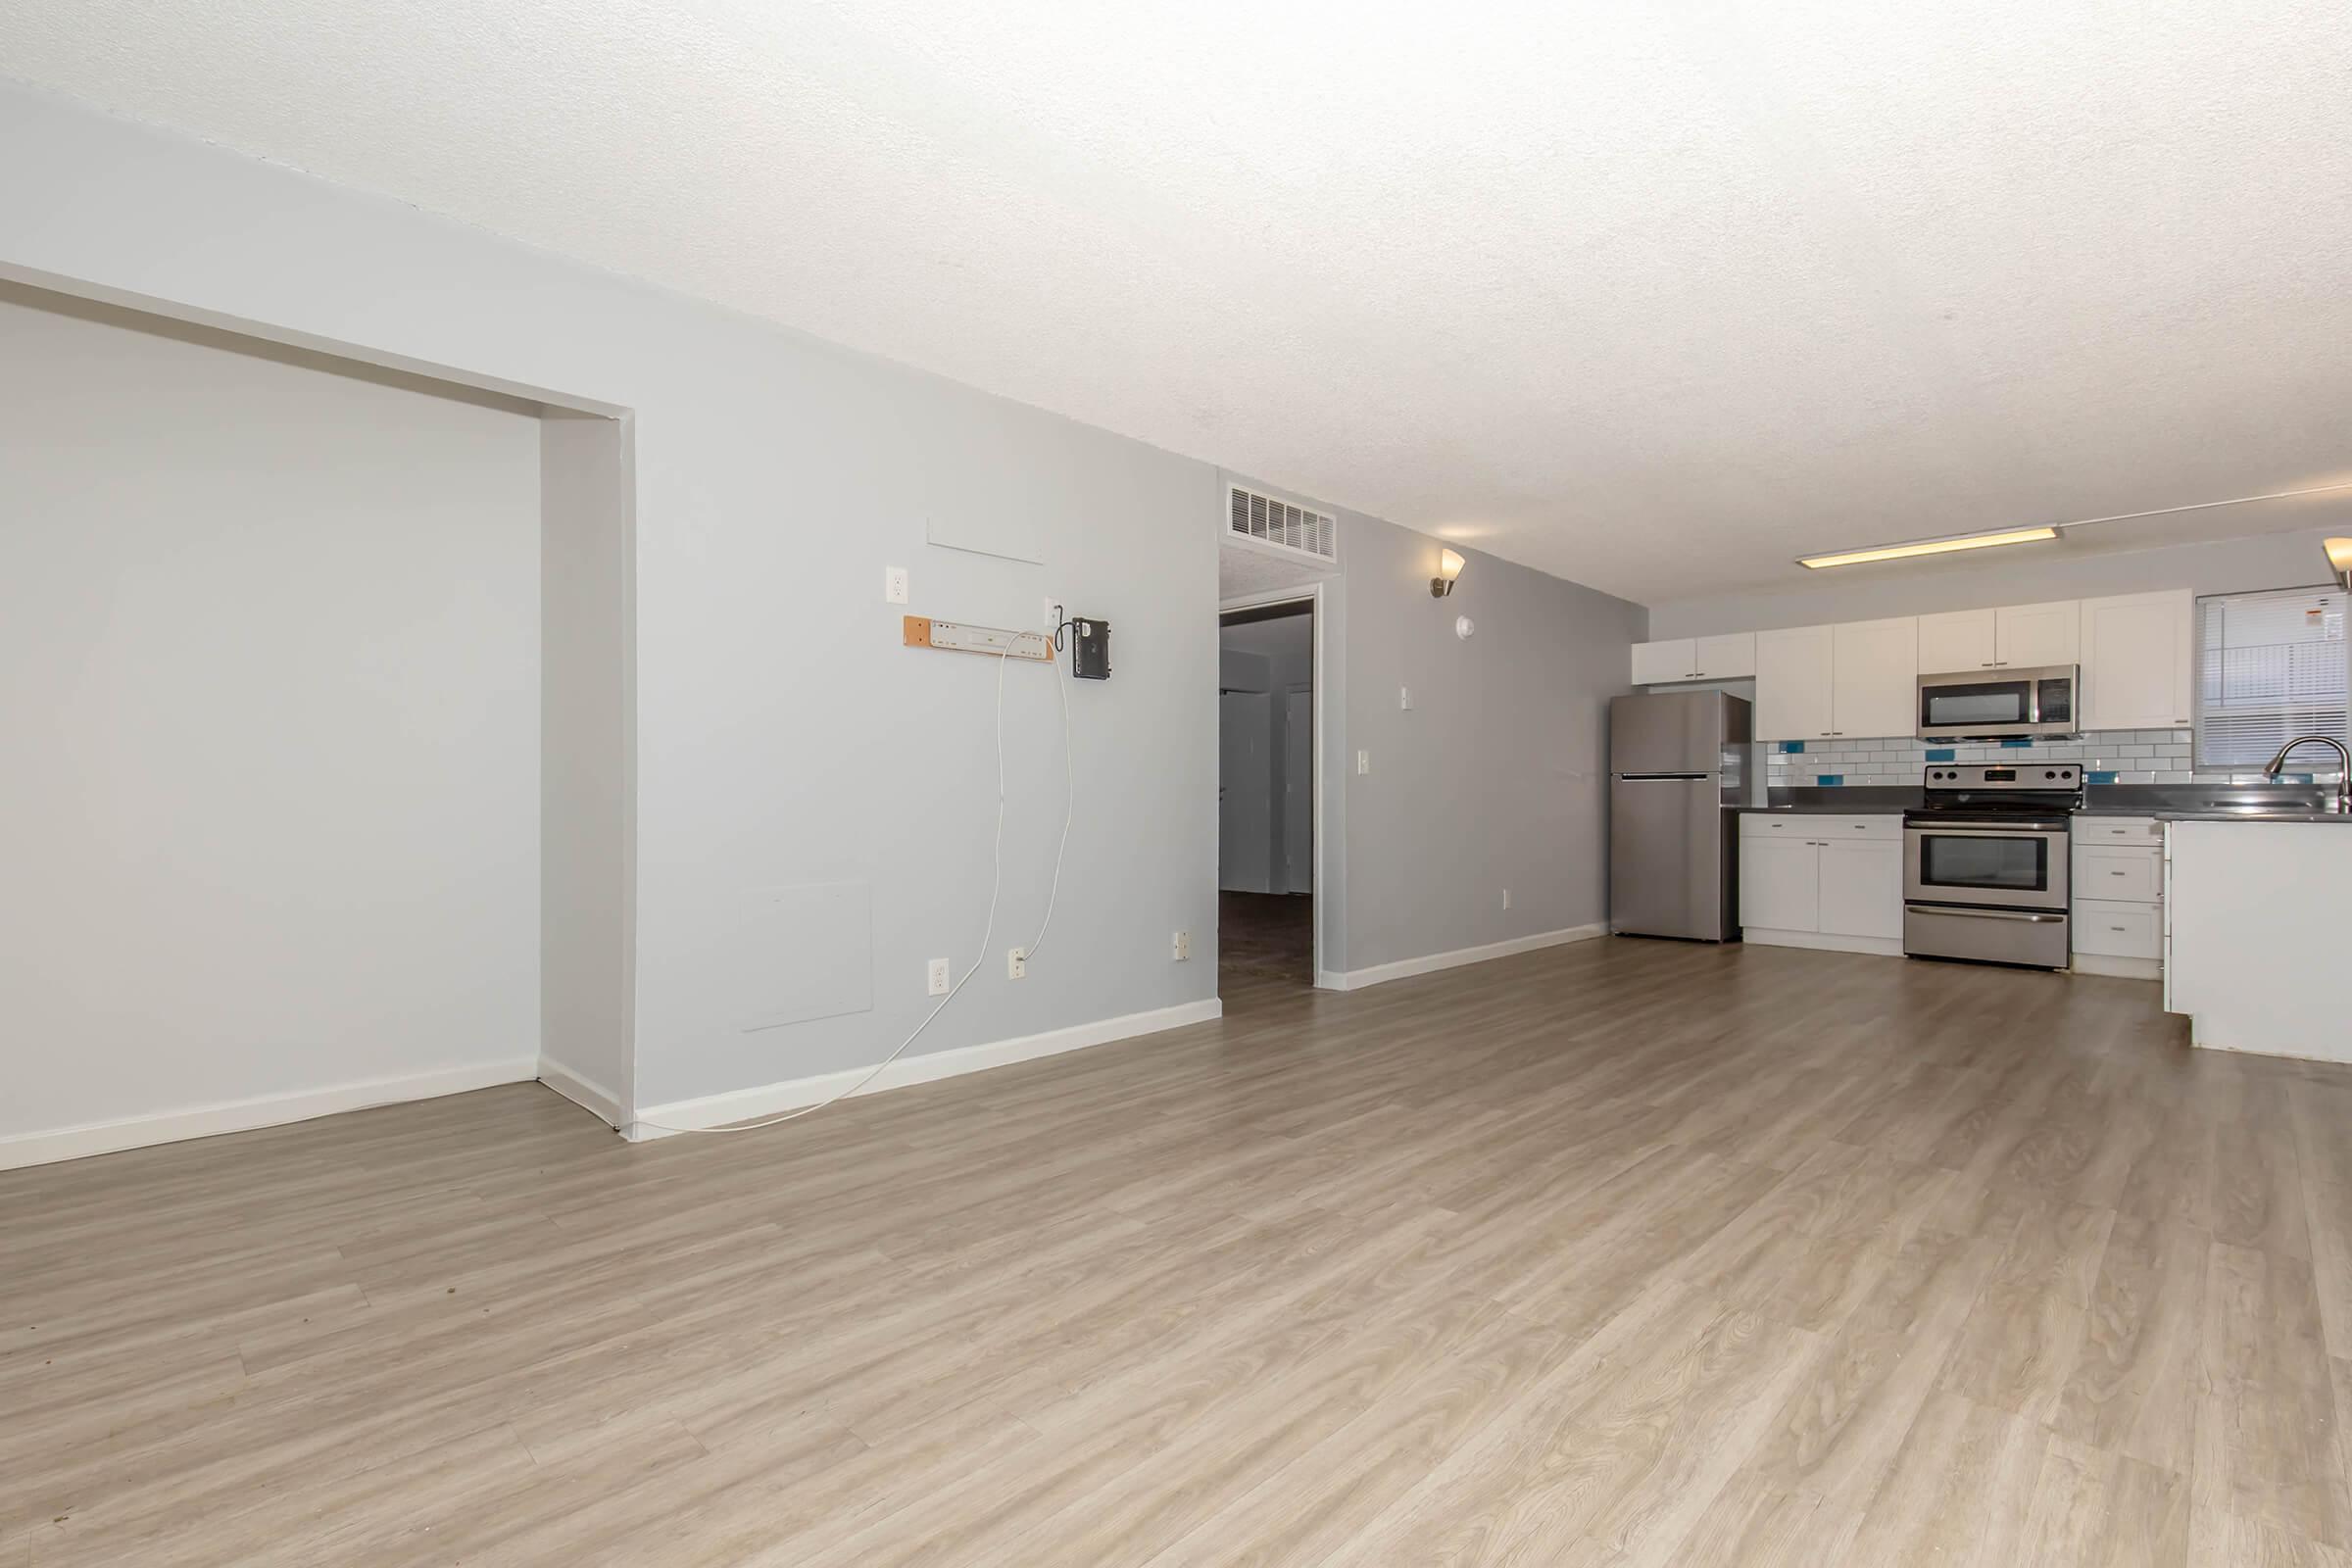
point(1251, 516)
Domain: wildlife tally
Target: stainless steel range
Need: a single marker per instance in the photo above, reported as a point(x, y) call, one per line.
point(1985, 864)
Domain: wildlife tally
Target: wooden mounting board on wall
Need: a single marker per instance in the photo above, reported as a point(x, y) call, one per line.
point(921, 631)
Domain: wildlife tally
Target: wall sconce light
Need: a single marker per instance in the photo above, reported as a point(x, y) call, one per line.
point(1450, 567)
point(2340, 556)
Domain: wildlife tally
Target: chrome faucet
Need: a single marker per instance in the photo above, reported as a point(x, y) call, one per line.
point(2343, 779)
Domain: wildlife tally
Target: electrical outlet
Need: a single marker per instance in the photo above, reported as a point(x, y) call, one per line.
point(1506, 897)
point(1180, 947)
point(1016, 964)
point(894, 585)
point(938, 979)
point(1364, 761)
point(1050, 615)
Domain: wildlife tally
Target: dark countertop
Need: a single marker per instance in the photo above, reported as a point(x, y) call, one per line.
point(1825, 809)
point(2172, 803)
point(2252, 816)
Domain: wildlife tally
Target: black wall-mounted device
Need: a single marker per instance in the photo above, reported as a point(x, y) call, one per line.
point(1090, 648)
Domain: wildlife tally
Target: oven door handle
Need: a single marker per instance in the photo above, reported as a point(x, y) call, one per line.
point(1992, 832)
point(1987, 914)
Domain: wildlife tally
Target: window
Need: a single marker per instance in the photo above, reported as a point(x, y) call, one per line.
point(2270, 667)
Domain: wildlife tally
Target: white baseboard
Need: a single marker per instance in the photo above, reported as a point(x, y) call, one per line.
point(1882, 947)
point(582, 1090)
point(2118, 969)
point(243, 1115)
point(1404, 969)
point(744, 1105)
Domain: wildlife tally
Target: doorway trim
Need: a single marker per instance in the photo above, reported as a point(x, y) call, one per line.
point(1311, 595)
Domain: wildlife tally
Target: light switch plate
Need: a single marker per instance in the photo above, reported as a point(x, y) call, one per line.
point(1405, 698)
point(1364, 761)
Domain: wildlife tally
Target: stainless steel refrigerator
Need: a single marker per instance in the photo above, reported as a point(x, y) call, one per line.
point(1680, 767)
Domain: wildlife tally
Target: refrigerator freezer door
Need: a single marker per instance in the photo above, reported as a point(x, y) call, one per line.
point(1670, 732)
point(1669, 868)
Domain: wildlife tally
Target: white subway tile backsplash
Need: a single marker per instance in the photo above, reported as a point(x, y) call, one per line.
point(2135, 756)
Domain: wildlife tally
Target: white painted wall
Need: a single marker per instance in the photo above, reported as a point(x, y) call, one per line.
point(270, 682)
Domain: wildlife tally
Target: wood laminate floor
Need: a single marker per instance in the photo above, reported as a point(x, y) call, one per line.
point(1265, 943)
point(1620, 1252)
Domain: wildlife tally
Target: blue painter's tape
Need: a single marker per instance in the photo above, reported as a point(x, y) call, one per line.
point(1829, 778)
point(1940, 754)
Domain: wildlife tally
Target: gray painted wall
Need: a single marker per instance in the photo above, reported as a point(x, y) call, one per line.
point(269, 670)
point(1285, 652)
point(587, 817)
point(1496, 777)
point(786, 740)
point(2029, 575)
point(790, 755)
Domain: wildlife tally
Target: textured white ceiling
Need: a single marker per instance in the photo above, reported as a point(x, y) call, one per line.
point(1654, 297)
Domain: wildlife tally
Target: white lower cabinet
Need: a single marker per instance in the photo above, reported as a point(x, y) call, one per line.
point(1862, 889)
point(2118, 906)
point(1780, 884)
point(1817, 881)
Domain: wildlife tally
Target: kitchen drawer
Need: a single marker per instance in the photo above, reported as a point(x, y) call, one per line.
point(1820, 826)
point(2120, 875)
point(2119, 930)
point(2121, 831)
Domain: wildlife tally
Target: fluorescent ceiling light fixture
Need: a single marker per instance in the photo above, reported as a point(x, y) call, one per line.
point(1928, 546)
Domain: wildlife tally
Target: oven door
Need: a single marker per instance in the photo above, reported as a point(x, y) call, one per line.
point(1986, 865)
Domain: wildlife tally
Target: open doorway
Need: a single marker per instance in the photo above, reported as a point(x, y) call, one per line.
point(1266, 793)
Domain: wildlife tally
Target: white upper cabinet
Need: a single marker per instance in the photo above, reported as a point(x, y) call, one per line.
point(2136, 661)
point(2032, 636)
point(1662, 661)
point(1794, 684)
point(1957, 640)
point(2018, 636)
point(1731, 656)
point(1822, 682)
point(1875, 677)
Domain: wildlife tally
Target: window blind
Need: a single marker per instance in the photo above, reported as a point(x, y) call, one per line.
point(2270, 666)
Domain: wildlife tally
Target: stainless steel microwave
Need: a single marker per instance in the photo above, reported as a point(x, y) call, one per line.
point(2000, 705)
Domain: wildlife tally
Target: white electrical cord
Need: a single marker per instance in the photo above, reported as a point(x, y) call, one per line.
point(996, 889)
